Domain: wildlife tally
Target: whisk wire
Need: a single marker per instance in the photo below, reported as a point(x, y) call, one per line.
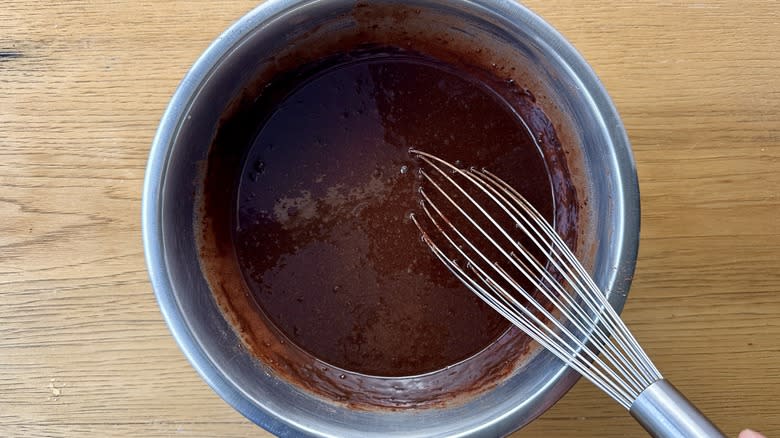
point(531, 228)
point(502, 303)
point(502, 293)
point(534, 262)
point(572, 338)
point(625, 337)
point(625, 369)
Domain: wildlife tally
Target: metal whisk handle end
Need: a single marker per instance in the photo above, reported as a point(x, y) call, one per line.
point(665, 413)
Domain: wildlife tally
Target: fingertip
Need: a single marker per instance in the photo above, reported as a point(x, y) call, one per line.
point(748, 433)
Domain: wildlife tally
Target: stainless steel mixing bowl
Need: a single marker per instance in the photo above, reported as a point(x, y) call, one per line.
point(565, 87)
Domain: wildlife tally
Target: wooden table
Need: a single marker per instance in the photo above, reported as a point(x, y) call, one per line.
point(84, 351)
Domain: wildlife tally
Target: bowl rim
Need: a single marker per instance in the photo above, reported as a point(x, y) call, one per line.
point(625, 198)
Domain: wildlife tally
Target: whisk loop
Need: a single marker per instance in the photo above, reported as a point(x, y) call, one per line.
point(532, 278)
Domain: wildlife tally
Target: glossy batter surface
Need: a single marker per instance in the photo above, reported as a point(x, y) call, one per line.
point(321, 227)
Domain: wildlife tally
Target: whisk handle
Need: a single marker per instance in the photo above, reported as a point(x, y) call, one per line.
point(665, 413)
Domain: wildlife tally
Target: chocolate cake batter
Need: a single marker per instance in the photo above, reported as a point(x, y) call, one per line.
point(312, 183)
point(322, 232)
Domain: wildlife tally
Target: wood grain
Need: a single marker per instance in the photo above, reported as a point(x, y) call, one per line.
point(84, 351)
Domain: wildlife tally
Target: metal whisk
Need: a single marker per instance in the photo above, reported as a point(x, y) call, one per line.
point(496, 243)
